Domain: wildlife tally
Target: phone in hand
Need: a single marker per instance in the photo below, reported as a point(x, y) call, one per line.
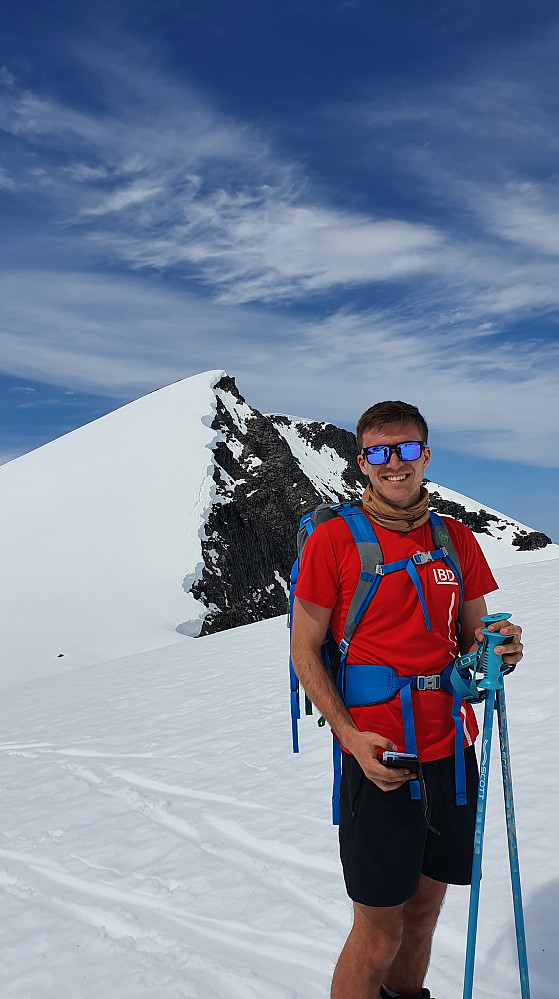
point(403, 761)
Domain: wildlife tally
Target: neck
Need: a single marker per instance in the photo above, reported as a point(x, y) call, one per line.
point(403, 519)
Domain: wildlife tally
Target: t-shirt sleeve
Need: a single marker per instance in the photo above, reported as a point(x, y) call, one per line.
point(318, 580)
point(476, 574)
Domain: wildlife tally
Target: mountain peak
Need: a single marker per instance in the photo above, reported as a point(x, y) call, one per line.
point(177, 515)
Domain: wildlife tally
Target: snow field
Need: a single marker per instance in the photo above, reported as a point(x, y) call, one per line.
point(100, 534)
point(160, 838)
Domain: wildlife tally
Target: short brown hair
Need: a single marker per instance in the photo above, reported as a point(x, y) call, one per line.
point(383, 413)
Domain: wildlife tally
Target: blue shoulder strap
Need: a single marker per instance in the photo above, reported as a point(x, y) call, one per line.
point(306, 525)
point(370, 555)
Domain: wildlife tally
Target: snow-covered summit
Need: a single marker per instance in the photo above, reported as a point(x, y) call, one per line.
point(176, 515)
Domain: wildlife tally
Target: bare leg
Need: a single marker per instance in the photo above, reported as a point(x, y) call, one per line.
point(368, 953)
point(420, 913)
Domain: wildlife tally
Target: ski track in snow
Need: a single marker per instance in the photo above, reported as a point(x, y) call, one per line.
point(160, 839)
point(135, 829)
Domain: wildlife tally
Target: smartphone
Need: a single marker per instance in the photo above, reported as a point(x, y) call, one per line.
point(403, 761)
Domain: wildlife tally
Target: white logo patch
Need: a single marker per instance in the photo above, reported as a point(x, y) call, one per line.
point(444, 575)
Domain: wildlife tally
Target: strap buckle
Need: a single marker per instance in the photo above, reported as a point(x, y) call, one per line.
point(420, 558)
point(379, 569)
point(429, 682)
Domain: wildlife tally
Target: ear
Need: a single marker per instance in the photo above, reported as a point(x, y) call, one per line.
point(426, 456)
point(363, 465)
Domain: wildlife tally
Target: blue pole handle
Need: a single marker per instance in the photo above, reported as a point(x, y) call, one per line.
point(491, 664)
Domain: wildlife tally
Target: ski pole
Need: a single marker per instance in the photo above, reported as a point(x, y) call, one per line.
point(513, 849)
point(491, 682)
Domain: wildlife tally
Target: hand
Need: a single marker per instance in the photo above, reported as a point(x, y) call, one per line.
point(512, 652)
point(364, 746)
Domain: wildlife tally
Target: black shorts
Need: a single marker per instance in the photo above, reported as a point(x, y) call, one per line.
point(385, 842)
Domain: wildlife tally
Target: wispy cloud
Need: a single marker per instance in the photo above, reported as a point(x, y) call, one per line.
point(163, 180)
point(133, 194)
point(480, 154)
point(6, 182)
point(116, 336)
point(479, 399)
point(526, 214)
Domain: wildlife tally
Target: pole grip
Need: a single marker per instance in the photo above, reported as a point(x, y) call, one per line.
point(491, 664)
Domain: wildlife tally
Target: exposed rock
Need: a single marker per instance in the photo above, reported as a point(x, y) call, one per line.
point(268, 470)
point(251, 533)
point(476, 521)
point(530, 542)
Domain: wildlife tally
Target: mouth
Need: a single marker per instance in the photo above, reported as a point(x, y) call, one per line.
point(395, 478)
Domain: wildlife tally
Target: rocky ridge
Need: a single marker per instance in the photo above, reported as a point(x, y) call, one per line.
point(268, 470)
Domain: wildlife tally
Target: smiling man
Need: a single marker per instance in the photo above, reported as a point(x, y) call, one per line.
point(399, 848)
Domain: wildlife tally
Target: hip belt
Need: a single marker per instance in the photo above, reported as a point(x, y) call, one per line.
point(360, 685)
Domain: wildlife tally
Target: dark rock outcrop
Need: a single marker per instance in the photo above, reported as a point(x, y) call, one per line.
point(250, 535)
point(477, 521)
point(530, 541)
point(268, 470)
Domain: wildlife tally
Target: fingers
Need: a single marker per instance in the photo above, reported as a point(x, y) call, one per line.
point(388, 778)
point(389, 785)
point(512, 651)
point(365, 747)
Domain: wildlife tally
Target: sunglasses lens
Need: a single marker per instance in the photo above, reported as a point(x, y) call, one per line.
point(377, 455)
point(410, 451)
point(380, 454)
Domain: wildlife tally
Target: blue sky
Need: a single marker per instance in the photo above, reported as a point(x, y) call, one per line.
point(337, 202)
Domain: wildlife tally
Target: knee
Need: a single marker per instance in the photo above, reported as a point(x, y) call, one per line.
point(383, 948)
point(378, 941)
point(421, 914)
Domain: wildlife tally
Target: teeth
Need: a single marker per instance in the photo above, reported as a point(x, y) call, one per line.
point(395, 478)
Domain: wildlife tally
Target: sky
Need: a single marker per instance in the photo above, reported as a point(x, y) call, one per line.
point(336, 201)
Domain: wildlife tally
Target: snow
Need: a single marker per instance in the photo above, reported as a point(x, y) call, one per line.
point(497, 546)
point(100, 533)
point(161, 839)
point(240, 412)
point(324, 468)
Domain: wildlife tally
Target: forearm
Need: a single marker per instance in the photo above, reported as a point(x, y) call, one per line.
point(472, 611)
point(311, 671)
point(365, 746)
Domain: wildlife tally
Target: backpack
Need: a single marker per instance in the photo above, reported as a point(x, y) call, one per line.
point(359, 685)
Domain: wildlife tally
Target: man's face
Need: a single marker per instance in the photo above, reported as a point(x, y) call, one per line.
point(397, 482)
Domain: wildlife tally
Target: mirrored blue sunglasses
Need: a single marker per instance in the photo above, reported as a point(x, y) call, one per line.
point(380, 454)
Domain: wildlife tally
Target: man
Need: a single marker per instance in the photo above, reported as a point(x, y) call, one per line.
point(397, 860)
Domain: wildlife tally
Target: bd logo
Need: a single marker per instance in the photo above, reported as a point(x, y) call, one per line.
point(444, 575)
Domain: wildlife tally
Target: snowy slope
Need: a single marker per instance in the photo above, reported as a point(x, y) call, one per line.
point(502, 540)
point(100, 533)
point(160, 839)
point(175, 516)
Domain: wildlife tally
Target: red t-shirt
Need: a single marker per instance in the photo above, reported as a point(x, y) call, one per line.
point(392, 631)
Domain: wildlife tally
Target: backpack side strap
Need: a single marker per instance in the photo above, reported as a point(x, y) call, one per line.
point(370, 556)
point(441, 539)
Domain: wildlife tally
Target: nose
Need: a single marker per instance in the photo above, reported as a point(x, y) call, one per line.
point(394, 461)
